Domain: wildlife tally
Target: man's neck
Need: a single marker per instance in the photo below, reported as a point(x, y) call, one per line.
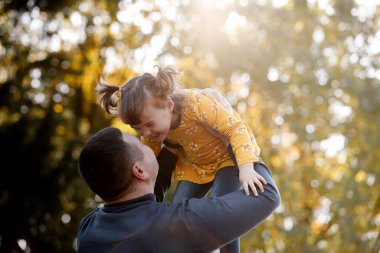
point(136, 193)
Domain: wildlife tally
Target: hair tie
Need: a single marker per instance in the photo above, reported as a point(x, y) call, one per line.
point(120, 88)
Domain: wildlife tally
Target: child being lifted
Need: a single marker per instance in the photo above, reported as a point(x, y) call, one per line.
point(195, 123)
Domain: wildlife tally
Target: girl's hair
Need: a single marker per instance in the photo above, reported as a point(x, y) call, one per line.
point(137, 91)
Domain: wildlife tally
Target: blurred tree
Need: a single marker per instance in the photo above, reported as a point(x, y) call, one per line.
point(303, 74)
point(52, 55)
point(311, 69)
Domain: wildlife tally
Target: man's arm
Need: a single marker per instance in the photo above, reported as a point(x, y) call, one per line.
point(230, 216)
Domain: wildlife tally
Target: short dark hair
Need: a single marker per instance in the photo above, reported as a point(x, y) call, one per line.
point(105, 163)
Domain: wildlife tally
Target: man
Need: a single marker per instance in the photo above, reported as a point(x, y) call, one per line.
point(122, 171)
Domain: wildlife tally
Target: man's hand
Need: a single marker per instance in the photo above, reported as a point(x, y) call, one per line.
point(249, 178)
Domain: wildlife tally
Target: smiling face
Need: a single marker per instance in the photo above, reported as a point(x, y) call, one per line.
point(155, 121)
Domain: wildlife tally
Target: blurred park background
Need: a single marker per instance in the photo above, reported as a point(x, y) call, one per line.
point(304, 74)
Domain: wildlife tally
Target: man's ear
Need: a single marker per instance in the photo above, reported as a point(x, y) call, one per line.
point(139, 172)
point(170, 104)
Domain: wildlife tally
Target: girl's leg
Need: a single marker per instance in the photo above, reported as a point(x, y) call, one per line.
point(187, 189)
point(226, 181)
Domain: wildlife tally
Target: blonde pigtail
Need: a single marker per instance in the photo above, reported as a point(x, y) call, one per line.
point(166, 81)
point(110, 96)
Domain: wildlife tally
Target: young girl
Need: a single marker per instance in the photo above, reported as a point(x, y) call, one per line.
point(196, 124)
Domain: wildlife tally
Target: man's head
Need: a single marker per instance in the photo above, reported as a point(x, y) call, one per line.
point(112, 161)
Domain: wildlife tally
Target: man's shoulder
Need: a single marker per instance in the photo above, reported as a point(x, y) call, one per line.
point(87, 219)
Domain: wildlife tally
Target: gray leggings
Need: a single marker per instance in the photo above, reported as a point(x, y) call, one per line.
point(226, 181)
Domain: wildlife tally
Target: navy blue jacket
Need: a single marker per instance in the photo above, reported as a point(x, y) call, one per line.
point(195, 225)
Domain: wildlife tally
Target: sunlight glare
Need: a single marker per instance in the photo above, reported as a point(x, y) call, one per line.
point(36, 24)
point(366, 9)
point(66, 218)
point(76, 19)
point(273, 74)
point(22, 244)
point(234, 21)
point(340, 111)
point(36, 83)
point(334, 144)
point(310, 128)
point(243, 3)
point(318, 35)
point(278, 4)
point(371, 180)
point(322, 214)
point(55, 43)
point(288, 223)
point(322, 76)
point(113, 60)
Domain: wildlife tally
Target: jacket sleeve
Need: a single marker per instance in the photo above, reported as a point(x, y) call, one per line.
point(230, 216)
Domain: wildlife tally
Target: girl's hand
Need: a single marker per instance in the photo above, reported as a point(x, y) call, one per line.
point(249, 177)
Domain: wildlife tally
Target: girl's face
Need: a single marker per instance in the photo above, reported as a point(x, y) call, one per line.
point(155, 121)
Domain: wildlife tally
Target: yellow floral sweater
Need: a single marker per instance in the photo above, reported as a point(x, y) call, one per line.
point(203, 153)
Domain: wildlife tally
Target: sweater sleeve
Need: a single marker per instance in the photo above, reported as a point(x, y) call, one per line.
point(206, 110)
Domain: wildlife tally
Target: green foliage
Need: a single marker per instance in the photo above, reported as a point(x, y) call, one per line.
point(304, 76)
